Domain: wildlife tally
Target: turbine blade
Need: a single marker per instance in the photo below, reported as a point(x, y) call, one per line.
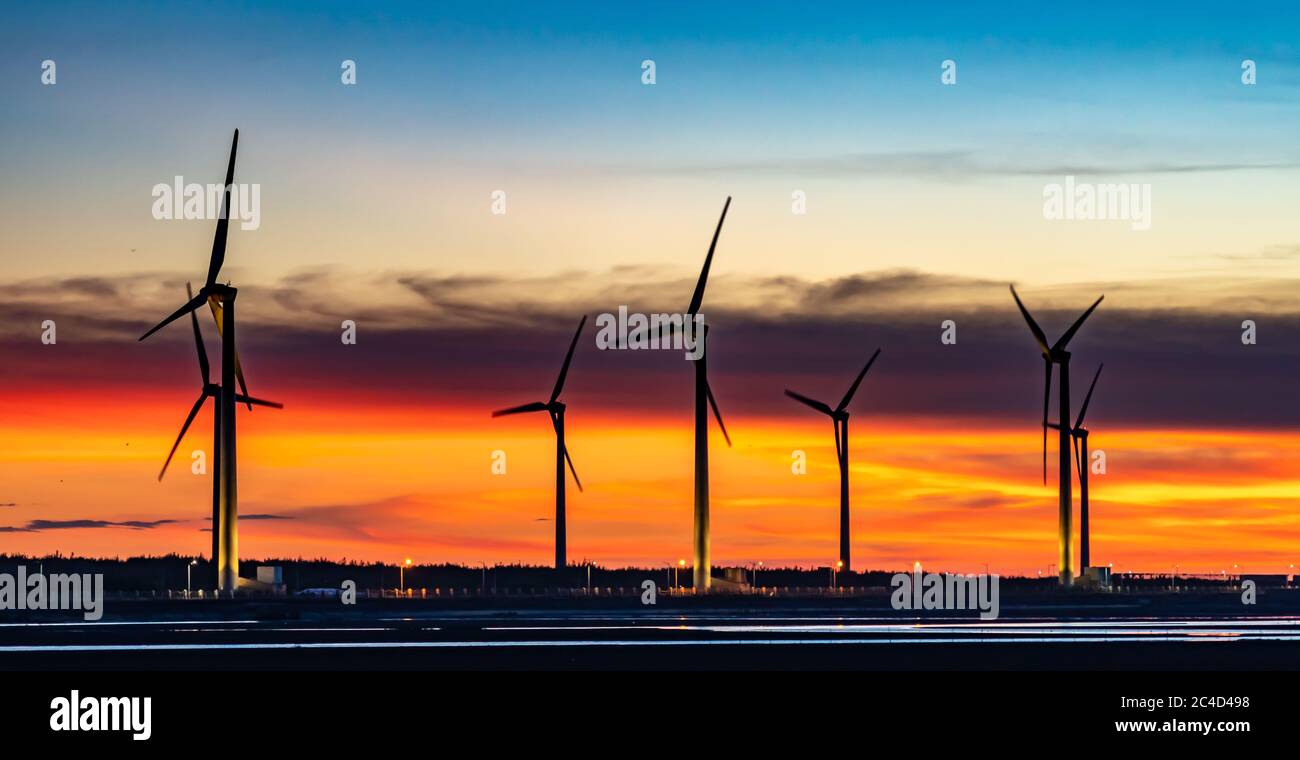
point(536, 406)
point(218, 315)
point(854, 388)
point(198, 340)
point(1074, 328)
point(193, 304)
point(1078, 458)
point(716, 414)
point(243, 399)
point(1047, 395)
point(1084, 409)
point(239, 375)
point(574, 472)
point(564, 370)
point(697, 298)
point(555, 423)
point(1033, 326)
point(223, 221)
point(194, 410)
point(822, 407)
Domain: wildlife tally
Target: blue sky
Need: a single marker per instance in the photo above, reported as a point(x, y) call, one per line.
point(836, 72)
point(457, 99)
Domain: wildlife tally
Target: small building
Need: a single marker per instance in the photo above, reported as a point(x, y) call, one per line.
point(1096, 577)
point(1266, 580)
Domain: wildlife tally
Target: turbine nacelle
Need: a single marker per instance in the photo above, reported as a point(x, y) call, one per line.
point(213, 293)
point(1076, 432)
point(1052, 354)
point(210, 286)
point(840, 413)
point(553, 406)
point(840, 419)
point(208, 389)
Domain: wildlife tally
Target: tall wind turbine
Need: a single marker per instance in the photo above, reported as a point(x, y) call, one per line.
point(555, 408)
point(209, 390)
point(840, 419)
point(1080, 435)
point(703, 579)
point(216, 294)
point(1056, 354)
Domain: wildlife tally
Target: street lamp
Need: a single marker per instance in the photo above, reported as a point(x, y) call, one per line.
point(839, 564)
point(401, 575)
point(189, 567)
point(681, 563)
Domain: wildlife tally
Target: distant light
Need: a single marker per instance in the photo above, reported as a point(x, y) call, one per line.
point(839, 564)
point(408, 561)
point(681, 563)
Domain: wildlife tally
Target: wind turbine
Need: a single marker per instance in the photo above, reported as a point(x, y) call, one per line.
point(209, 390)
point(1056, 354)
point(1080, 435)
point(555, 408)
point(840, 419)
point(221, 298)
point(703, 579)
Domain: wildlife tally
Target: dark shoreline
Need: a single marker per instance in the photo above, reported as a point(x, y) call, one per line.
point(1035, 631)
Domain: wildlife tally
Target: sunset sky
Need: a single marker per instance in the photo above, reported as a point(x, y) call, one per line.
point(924, 201)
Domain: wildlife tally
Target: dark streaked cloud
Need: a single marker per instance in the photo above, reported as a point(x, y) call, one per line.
point(317, 301)
point(36, 526)
point(100, 287)
point(1172, 348)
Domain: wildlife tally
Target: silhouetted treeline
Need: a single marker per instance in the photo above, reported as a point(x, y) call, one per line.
point(159, 573)
point(165, 572)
